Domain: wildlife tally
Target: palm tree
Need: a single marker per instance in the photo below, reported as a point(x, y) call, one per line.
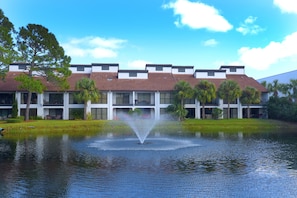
point(293, 86)
point(87, 92)
point(205, 91)
point(229, 90)
point(274, 88)
point(182, 90)
point(250, 95)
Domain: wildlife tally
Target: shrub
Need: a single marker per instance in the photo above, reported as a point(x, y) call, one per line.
point(217, 113)
point(14, 120)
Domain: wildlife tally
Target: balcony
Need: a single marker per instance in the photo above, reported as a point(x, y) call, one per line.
point(145, 99)
point(53, 99)
point(6, 99)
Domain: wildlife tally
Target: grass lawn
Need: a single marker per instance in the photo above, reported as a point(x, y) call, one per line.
point(82, 127)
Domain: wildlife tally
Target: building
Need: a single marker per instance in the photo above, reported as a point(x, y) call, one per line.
point(283, 78)
point(122, 90)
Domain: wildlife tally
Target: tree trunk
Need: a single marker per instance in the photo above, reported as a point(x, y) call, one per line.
point(27, 114)
point(203, 111)
point(228, 112)
point(85, 110)
point(248, 111)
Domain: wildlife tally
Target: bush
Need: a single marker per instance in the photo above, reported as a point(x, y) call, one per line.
point(14, 120)
point(217, 113)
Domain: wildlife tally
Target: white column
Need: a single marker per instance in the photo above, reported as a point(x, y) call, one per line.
point(239, 111)
point(157, 105)
point(66, 106)
point(197, 109)
point(109, 106)
point(40, 111)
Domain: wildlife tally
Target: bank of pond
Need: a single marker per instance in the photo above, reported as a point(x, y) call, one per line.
point(93, 127)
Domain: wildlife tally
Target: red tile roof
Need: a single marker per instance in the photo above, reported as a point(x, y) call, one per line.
point(108, 81)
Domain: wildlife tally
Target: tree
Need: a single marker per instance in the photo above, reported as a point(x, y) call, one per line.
point(273, 88)
point(229, 91)
point(250, 95)
point(87, 92)
point(205, 91)
point(293, 86)
point(182, 91)
point(40, 49)
point(7, 52)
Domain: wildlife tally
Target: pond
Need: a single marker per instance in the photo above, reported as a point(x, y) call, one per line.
point(197, 165)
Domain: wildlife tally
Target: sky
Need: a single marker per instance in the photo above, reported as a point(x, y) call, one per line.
point(258, 34)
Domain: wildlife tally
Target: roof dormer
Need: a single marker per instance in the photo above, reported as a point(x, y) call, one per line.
point(182, 69)
point(133, 74)
point(158, 68)
point(210, 74)
point(83, 69)
point(231, 69)
point(105, 67)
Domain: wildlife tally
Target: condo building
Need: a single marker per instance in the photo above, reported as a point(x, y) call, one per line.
point(150, 90)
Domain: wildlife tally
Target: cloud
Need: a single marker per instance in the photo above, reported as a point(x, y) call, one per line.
point(94, 47)
point(210, 42)
point(287, 6)
point(263, 58)
point(198, 15)
point(248, 27)
point(138, 64)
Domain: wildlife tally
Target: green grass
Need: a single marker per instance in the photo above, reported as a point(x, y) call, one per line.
point(92, 127)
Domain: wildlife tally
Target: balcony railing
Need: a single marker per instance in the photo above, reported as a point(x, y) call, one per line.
point(53, 103)
point(144, 103)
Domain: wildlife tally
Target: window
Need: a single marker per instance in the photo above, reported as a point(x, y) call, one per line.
point(210, 73)
point(80, 68)
point(99, 113)
point(132, 74)
point(166, 98)
point(122, 98)
point(24, 97)
point(189, 101)
point(73, 99)
point(232, 69)
point(102, 98)
point(144, 99)
point(105, 67)
point(181, 69)
point(159, 68)
point(22, 67)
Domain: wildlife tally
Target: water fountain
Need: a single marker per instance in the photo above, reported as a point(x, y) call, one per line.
point(140, 125)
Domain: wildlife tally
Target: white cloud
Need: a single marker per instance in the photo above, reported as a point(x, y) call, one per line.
point(263, 58)
point(289, 6)
point(210, 42)
point(198, 15)
point(248, 27)
point(94, 47)
point(138, 64)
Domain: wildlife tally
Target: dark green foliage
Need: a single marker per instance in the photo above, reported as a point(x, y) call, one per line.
point(182, 91)
point(87, 92)
point(229, 90)
point(7, 52)
point(14, 112)
point(217, 113)
point(77, 114)
point(14, 120)
point(282, 109)
point(40, 49)
point(205, 91)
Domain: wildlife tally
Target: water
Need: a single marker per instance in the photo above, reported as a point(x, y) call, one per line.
point(216, 165)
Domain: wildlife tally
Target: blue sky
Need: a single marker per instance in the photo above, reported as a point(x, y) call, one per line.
point(259, 34)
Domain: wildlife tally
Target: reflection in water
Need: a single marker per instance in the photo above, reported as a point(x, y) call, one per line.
point(223, 165)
